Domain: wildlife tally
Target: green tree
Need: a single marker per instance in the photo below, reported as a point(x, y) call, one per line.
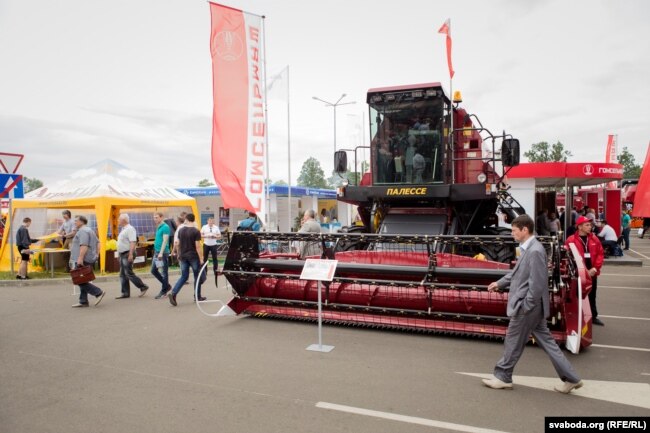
point(312, 174)
point(354, 177)
point(630, 169)
point(542, 152)
point(205, 182)
point(336, 179)
point(31, 183)
point(281, 182)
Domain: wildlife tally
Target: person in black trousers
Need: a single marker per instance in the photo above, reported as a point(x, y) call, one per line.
point(84, 252)
point(23, 241)
point(211, 234)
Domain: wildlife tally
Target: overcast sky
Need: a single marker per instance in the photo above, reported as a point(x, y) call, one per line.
point(85, 80)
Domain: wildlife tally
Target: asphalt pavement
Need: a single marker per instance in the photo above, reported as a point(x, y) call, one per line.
point(141, 365)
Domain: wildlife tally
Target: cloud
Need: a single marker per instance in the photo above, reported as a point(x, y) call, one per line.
point(74, 91)
point(164, 145)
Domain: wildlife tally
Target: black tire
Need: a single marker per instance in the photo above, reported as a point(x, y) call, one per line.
point(499, 253)
point(342, 245)
point(496, 252)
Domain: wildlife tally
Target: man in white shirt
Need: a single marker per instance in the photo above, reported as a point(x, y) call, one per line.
point(126, 242)
point(608, 238)
point(211, 234)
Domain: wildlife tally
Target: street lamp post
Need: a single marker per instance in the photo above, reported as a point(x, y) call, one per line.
point(334, 105)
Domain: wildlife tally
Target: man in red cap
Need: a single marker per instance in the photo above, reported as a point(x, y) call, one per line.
point(593, 255)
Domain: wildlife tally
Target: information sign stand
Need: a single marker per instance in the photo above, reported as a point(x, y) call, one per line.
point(319, 270)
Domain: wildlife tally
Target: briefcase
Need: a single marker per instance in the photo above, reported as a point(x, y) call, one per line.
point(82, 275)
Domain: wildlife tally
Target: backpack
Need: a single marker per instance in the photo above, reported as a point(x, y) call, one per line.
point(172, 227)
point(246, 225)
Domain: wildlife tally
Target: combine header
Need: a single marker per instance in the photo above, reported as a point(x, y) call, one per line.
point(401, 282)
point(434, 208)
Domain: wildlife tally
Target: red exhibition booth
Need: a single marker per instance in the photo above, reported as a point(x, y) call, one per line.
point(568, 175)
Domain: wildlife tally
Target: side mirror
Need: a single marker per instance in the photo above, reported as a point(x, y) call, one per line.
point(510, 152)
point(340, 161)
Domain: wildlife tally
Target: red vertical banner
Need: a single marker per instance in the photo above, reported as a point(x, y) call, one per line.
point(612, 154)
point(611, 149)
point(446, 30)
point(238, 121)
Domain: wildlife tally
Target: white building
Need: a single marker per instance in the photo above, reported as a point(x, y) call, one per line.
point(323, 201)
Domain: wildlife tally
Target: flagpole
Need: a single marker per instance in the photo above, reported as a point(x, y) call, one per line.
point(289, 146)
point(7, 231)
point(363, 140)
point(451, 128)
point(451, 98)
point(446, 30)
point(266, 135)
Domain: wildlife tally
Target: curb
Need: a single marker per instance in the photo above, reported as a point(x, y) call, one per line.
point(623, 261)
point(67, 281)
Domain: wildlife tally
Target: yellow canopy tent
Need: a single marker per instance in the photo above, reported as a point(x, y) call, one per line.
point(104, 190)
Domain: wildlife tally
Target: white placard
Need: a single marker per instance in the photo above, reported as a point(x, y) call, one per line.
point(139, 259)
point(319, 270)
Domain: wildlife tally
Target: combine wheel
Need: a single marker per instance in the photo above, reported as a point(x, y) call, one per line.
point(343, 245)
point(496, 252)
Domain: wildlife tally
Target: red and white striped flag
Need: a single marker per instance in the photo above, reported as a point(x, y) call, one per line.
point(238, 121)
point(446, 30)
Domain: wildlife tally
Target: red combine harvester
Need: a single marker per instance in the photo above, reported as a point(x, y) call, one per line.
point(430, 241)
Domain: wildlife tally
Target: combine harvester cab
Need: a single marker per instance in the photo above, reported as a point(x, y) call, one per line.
point(405, 282)
point(434, 208)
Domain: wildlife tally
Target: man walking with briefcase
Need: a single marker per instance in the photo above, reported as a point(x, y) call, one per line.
point(84, 253)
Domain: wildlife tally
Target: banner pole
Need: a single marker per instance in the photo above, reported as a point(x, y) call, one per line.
point(289, 146)
point(267, 202)
point(7, 231)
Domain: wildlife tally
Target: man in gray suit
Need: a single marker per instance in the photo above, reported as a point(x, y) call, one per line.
point(528, 308)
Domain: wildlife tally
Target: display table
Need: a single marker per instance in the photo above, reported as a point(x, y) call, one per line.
point(148, 247)
point(50, 252)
